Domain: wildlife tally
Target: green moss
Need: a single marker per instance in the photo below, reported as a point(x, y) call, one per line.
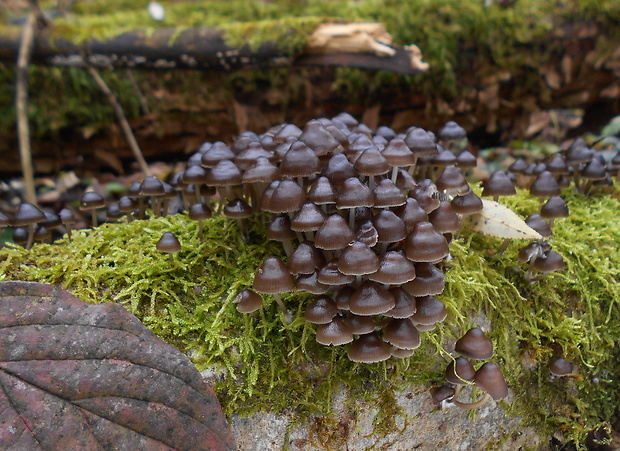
point(574, 314)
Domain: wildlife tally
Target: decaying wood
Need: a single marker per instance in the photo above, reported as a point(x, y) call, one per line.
point(21, 104)
point(205, 48)
point(351, 38)
point(120, 115)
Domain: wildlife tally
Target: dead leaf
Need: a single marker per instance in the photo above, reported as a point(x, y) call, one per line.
point(110, 159)
point(82, 376)
point(498, 220)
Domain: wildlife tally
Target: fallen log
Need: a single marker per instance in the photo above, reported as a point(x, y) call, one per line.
point(206, 49)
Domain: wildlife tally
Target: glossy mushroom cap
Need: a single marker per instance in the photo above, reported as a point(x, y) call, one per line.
point(369, 348)
point(273, 277)
point(442, 393)
point(429, 280)
point(499, 184)
point(555, 207)
point(489, 377)
point(321, 311)
point(452, 132)
point(460, 371)
point(545, 185)
point(429, 310)
point(394, 269)
point(424, 244)
point(474, 345)
point(26, 214)
point(561, 367)
point(371, 298)
point(168, 243)
point(358, 259)
point(551, 261)
point(402, 334)
point(248, 301)
point(336, 333)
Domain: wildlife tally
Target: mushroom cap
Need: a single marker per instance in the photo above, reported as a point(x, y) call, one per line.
point(334, 234)
point(557, 165)
point(308, 218)
point(336, 333)
point(474, 345)
point(322, 192)
point(429, 280)
point(67, 217)
point(489, 377)
point(390, 228)
point(151, 186)
point(411, 213)
point(319, 139)
point(371, 162)
point(346, 119)
point(367, 234)
point(217, 152)
point(536, 222)
point(305, 259)
point(299, 161)
point(26, 214)
point(360, 325)
point(460, 371)
point(451, 178)
point(561, 367)
point(370, 298)
point(261, 171)
point(338, 169)
point(467, 204)
point(194, 174)
point(357, 260)
point(369, 348)
point(286, 131)
point(273, 277)
point(386, 132)
point(499, 184)
point(354, 193)
point(444, 157)
point(452, 132)
point(280, 229)
point(402, 334)
point(405, 304)
point(20, 235)
point(442, 393)
point(555, 207)
point(113, 212)
point(287, 196)
point(310, 284)
point(224, 173)
point(4, 220)
point(249, 157)
point(329, 275)
point(387, 194)
point(343, 295)
point(321, 311)
point(545, 185)
point(429, 310)
point(248, 301)
point(199, 211)
point(551, 261)
point(518, 166)
point(237, 209)
point(466, 159)
point(444, 218)
point(426, 194)
point(169, 243)
point(89, 201)
point(425, 244)
point(394, 269)
point(397, 153)
point(421, 143)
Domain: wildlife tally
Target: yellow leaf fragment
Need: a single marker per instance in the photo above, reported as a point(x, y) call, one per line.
point(498, 220)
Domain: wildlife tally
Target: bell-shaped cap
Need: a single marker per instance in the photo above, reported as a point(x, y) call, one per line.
point(357, 260)
point(151, 186)
point(305, 259)
point(442, 393)
point(89, 201)
point(224, 173)
point(168, 243)
point(299, 161)
point(317, 138)
point(343, 295)
point(287, 131)
point(561, 367)
point(371, 162)
point(248, 301)
point(261, 171)
point(402, 334)
point(536, 222)
point(450, 179)
point(551, 261)
point(429, 280)
point(280, 229)
point(308, 218)
point(219, 151)
point(28, 213)
point(338, 169)
point(467, 204)
point(460, 371)
point(367, 234)
point(466, 159)
point(329, 275)
point(322, 192)
point(334, 234)
point(369, 348)
point(489, 377)
point(387, 195)
point(429, 310)
point(499, 184)
point(198, 211)
point(424, 244)
point(474, 345)
point(411, 213)
point(288, 196)
point(321, 311)
point(405, 304)
point(237, 209)
point(310, 284)
point(370, 298)
point(545, 185)
point(273, 277)
point(360, 325)
point(354, 193)
point(555, 207)
point(394, 269)
point(421, 143)
point(452, 132)
point(335, 333)
point(397, 153)
point(444, 218)
point(390, 228)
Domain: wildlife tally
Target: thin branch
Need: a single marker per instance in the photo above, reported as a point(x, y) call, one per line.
point(21, 104)
point(143, 102)
point(120, 115)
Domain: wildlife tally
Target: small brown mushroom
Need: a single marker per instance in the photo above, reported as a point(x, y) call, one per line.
point(170, 244)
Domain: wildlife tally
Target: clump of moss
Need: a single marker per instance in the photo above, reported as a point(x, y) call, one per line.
point(575, 314)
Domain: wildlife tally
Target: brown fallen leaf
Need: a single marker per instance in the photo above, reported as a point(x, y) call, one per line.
point(80, 376)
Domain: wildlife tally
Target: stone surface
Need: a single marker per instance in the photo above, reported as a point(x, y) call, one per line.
point(424, 428)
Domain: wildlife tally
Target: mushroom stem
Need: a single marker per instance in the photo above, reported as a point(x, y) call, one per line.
point(394, 174)
point(200, 228)
point(93, 215)
point(288, 247)
point(171, 257)
point(68, 228)
point(472, 405)
point(503, 247)
point(30, 236)
point(288, 317)
point(243, 229)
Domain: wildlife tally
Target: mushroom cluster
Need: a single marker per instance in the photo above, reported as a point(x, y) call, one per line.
point(472, 346)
